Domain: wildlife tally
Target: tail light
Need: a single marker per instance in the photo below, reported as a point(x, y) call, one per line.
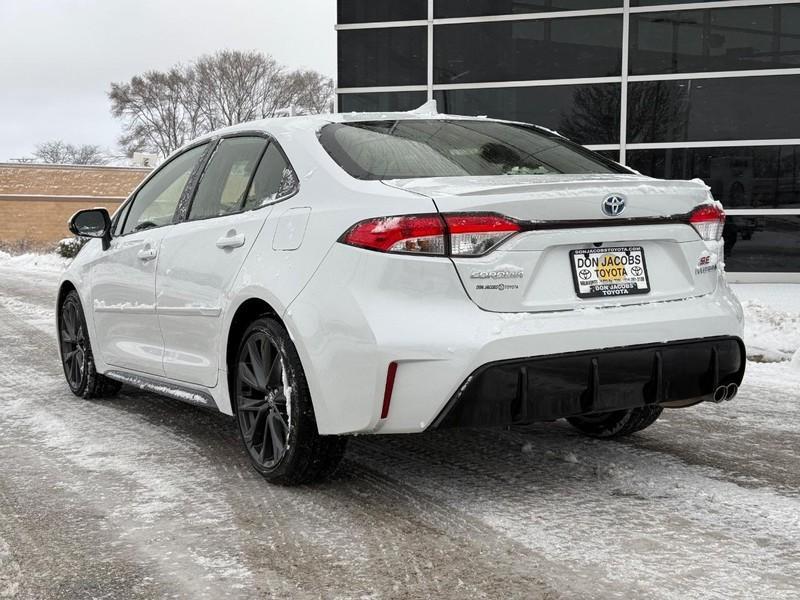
point(415, 234)
point(469, 234)
point(477, 234)
point(708, 220)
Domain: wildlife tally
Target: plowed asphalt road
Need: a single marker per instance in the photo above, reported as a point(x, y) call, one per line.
point(143, 497)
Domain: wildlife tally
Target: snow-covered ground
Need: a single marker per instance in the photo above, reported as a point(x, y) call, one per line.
point(141, 497)
point(772, 313)
point(46, 263)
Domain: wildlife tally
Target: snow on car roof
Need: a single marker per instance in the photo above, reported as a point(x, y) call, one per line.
point(279, 126)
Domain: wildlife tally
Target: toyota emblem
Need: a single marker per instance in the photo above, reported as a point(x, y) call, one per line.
point(613, 205)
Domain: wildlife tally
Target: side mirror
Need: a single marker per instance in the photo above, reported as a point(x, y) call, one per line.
point(93, 223)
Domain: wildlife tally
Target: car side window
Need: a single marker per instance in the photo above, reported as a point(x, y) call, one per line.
point(225, 180)
point(156, 201)
point(274, 179)
point(119, 220)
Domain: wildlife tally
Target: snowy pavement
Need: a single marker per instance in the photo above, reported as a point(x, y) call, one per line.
point(142, 497)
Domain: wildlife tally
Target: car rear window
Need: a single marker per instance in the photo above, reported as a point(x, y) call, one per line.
point(411, 148)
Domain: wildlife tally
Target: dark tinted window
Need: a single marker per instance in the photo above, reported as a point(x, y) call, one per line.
point(721, 39)
point(658, 2)
point(521, 50)
point(714, 109)
point(587, 114)
point(273, 180)
point(744, 177)
point(119, 219)
point(156, 201)
point(224, 183)
point(479, 8)
point(393, 56)
point(381, 101)
point(762, 244)
point(438, 148)
point(367, 11)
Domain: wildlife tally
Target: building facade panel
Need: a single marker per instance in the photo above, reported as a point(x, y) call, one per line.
point(382, 57)
point(381, 101)
point(534, 49)
point(25, 220)
point(762, 243)
point(717, 39)
point(729, 108)
point(367, 11)
point(740, 176)
point(37, 200)
point(588, 114)
point(674, 88)
point(483, 8)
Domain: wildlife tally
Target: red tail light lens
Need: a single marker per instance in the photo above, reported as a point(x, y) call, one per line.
point(416, 234)
point(708, 220)
point(468, 234)
point(475, 235)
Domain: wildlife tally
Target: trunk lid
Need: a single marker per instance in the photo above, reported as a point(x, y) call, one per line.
point(533, 270)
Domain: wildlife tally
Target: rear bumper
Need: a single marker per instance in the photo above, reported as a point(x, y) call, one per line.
point(544, 388)
point(412, 312)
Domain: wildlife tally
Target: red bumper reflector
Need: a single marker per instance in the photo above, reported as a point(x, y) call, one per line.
point(387, 393)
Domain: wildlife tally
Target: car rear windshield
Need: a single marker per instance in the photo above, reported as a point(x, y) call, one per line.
point(411, 148)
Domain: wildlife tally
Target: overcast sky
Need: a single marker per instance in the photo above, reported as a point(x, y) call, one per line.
point(57, 57)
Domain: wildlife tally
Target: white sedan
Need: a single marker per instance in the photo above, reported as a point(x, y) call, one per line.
point(397, 273)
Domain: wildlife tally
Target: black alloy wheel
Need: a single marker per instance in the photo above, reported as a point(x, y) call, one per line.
point(72, 335)
point(274, 411)
point(263, 400)
point(76, 352)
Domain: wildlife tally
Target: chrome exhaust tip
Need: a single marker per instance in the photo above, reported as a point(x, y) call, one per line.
point(731, 390)
point(720, 394)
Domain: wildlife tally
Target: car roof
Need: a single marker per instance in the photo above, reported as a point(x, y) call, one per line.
point(285, 126)
point(279, 125)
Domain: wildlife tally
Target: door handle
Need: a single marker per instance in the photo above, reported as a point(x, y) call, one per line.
point(146, 254)
point(231, 241)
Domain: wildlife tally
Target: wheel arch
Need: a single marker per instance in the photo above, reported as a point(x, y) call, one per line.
point(65, 288)
point(247, 312)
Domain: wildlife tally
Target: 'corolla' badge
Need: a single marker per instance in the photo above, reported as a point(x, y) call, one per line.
point(613, 205)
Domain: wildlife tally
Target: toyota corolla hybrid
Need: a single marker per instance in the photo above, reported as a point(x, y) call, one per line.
point(347, 274)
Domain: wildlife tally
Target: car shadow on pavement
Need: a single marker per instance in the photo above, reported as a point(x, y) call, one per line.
point(545, 456)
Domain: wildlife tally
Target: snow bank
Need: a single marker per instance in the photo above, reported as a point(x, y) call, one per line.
point(772, 321)
point(31, 261)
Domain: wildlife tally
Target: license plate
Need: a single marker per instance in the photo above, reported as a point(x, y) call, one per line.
point(601, 272)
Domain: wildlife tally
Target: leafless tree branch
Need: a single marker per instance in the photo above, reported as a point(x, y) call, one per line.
point(58, 152)
point(161, 111)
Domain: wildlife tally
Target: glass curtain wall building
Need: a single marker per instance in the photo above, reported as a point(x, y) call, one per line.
point(670, 88)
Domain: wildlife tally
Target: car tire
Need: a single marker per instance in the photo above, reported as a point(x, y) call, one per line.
point(274, 412)
point(618, 423)
point(76, 353)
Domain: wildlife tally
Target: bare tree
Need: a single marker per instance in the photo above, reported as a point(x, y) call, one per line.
point(311, 91)
point(160, 110)
point(163, 111)
point(234, 87)
point(58, 152)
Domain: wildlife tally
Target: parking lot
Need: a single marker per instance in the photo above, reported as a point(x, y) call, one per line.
point(139, 496)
